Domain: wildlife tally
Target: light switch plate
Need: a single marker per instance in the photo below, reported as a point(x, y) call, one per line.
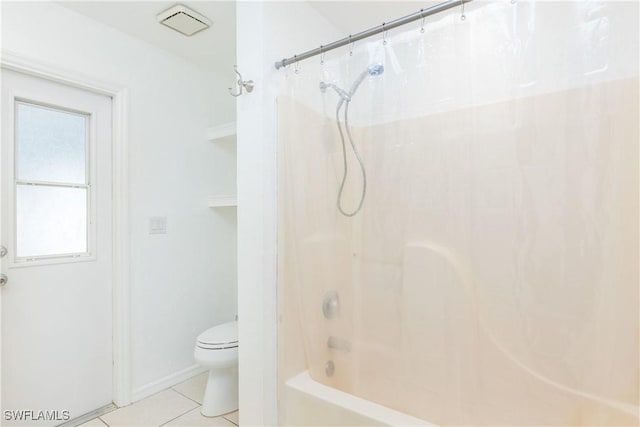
point(158, 225)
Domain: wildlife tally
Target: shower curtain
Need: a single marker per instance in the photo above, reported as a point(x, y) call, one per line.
point(491, 276)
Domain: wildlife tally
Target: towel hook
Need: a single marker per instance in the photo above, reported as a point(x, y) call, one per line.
point(246, 84)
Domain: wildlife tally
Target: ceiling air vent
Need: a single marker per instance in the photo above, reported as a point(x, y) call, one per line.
point(184, 20)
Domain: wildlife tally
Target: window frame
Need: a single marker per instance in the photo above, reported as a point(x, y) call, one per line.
point(90, 168)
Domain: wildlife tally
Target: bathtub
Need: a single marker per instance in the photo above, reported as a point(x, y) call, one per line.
point(309, 403)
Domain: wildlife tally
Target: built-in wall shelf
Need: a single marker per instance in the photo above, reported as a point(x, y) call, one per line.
point(224, 132)
point(220, 132)
point(222, 201)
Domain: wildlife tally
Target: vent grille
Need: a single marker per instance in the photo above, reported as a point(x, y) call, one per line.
point(184, 20)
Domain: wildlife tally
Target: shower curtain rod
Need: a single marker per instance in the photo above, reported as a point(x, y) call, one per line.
point(385, 26)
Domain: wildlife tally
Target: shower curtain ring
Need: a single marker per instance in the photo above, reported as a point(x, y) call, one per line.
point(422, 23)
point(384, 35)
point(351, 45)
point(321, 55)
point(296, 70)
point(462, 16)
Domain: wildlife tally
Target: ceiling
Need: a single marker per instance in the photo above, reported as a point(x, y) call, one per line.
point(214, 48)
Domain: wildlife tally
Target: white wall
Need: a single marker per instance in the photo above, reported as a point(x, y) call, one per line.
point(285, 28)
point(182, 282)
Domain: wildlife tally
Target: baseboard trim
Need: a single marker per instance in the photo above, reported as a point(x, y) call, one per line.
point(166, 382)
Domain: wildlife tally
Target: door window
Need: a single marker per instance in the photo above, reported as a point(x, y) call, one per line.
point(52, 185)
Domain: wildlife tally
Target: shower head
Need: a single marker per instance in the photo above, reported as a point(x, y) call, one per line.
point(372, 70)
point(376, 70)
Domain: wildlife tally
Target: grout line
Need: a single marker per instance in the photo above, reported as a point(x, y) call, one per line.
point(175, 418)
point(231, 421)
point(107, 413)
point(184, 395)
point(168, 421)
point(166, 389)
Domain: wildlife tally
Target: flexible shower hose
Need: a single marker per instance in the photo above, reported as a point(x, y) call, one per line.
point(344, 158)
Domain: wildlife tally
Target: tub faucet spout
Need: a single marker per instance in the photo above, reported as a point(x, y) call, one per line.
point(339, 344)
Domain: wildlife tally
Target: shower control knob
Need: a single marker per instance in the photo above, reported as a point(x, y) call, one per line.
point(3, 251)
point(329, 368)
point(330, 305)
point(3, 279)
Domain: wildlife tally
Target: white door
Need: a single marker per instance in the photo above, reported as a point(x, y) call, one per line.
point(56, 214)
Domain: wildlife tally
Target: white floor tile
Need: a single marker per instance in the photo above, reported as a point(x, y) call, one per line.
point(194, 387)
point(150, 412)
point(96, 422)
point(195, 419)
point(233, 417)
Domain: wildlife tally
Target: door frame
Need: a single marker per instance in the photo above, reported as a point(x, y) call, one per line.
point(120, 194)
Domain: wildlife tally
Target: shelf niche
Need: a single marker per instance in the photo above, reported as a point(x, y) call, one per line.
point(222, 132)
point(222, 201)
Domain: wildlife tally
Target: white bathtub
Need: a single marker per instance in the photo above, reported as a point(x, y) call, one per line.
point(309, 403)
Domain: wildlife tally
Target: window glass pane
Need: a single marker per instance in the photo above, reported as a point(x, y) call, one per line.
point(50, 220)
point(50, 145)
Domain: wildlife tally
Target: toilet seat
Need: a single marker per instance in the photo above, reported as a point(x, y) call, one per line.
point(219, 337)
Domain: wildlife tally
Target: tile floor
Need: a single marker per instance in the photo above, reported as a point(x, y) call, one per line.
point(177, 406)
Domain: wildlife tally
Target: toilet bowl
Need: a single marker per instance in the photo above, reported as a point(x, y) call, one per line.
point(217, 349)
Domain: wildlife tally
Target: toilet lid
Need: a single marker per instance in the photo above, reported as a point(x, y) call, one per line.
point(225, 335)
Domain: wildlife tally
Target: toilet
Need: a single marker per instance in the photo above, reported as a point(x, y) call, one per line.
point(217, 349)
